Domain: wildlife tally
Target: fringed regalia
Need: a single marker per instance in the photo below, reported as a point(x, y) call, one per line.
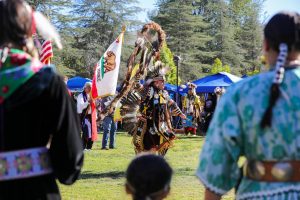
point(153, 130)
point(192, 107)
point(146, 110)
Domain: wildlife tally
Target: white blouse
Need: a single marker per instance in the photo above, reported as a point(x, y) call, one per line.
point(81, 105)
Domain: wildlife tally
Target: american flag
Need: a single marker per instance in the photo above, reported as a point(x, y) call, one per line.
point(46, 52)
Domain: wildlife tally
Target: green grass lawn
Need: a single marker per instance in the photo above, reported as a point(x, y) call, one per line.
point(103, 174)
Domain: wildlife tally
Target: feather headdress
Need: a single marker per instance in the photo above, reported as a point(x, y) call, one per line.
point(46, 29)
point(156, 72)
point(43, 26)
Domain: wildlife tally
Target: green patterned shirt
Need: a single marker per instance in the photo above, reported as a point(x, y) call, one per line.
point(235, 131)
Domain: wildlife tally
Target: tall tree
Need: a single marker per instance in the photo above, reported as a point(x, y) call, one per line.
point(235, 28)
point(248, 29)
point(87, 28)
point(167, 57)
point(99, 22)
point(57, 12)
point(217, 14)
point(186, 36)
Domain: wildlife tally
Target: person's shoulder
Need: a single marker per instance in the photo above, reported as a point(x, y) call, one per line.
point(46, 70)
point(41, 80)
point(79, 95)
point(48, 74)
point(44, 75)
point(248, 87)
point(55, 82)
point(252, 83)
point(165, 92)
point(38, 84)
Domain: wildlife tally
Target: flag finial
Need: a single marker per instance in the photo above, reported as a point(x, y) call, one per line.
point(123, 28)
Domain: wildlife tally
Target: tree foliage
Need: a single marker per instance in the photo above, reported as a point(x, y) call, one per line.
point(87, 28)
point(231, 28)
point(186, 35)
point(52, 9)
point(217, 66)
point(99, 22)
point(226, 68)
point(199, 31)
point(167, 57)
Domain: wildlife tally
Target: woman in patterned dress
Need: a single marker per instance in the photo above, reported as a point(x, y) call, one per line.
point(258, 118)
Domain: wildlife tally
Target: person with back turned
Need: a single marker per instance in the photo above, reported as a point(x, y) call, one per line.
point(258, 118)
point(39, 127)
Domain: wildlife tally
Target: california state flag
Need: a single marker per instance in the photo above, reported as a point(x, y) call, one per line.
point(107, 70)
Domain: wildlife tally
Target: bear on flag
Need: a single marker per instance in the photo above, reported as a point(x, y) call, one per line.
point(107, 70)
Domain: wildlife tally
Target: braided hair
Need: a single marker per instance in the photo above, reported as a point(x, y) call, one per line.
point(148, 176)
point(282, 33)
point(15, 23)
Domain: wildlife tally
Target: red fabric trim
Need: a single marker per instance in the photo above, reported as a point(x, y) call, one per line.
point(33, 24)
point(47, 58)
point(190, 129)
point(94, 90)
point(94, 125)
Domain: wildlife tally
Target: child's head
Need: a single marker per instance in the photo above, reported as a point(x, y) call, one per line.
point(148, 177)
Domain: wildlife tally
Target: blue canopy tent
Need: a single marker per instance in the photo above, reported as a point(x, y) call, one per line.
point(209, 83)
point(76, 84)
point(173, 88)
point(170, 88)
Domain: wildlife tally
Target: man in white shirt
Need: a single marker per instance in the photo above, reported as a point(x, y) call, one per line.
point(84, 111)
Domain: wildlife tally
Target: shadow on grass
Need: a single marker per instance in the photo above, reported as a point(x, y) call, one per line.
point(191, 137)
point(187, 171)
point(112, 175)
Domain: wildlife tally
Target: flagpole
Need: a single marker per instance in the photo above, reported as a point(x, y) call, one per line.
point(123, 31)
point(47, 62)
point(123, 28)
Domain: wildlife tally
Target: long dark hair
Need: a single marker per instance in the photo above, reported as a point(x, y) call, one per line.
point(282, 34)
point(15, 22)
point(148, 174)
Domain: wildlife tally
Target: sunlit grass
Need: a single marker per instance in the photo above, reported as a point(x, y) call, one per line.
point(104, 170)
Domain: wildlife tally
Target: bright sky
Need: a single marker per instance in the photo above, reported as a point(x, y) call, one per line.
point(271, 7)
point(147, 5)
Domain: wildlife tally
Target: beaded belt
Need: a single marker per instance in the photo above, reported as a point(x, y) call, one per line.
point(24, 163)
point(273, 171)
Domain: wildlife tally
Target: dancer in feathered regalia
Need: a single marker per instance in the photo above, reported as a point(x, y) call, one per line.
point(192, 108)
point(154, 131)
point(147, 109)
